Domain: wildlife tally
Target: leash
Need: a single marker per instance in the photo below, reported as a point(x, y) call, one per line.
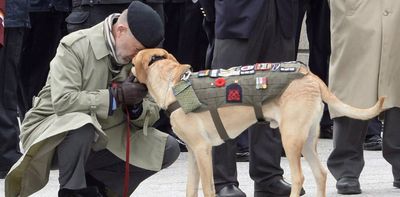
point(127, 154)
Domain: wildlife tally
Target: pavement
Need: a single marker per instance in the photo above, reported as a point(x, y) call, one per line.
point(376, 178)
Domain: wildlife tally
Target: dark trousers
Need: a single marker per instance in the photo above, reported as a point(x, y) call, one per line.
point(185, 39)
point(10, 56)
point(268, 43)
point(347, 158)
point(184, 34)
point(318, 34)
point(75, 160)
point(40, 46)
point(374, 127)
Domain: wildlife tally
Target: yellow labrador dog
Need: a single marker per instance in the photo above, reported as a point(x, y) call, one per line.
point(297, 112)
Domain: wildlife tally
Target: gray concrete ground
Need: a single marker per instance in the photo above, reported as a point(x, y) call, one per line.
point(376, 179)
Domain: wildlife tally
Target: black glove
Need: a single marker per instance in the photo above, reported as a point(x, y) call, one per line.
point(129, 92)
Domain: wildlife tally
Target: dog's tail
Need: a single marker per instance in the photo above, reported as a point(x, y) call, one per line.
point(347, 110)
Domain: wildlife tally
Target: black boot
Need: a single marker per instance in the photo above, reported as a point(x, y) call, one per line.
point(85, 192)
point(93, 182)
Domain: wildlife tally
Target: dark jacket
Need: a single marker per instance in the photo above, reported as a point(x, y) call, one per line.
point(47, 5)
point(76, 3)
point(17, 13)
point(235, 19)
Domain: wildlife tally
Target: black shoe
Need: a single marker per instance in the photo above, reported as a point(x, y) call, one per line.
point(326, 132)
point(242, 156)
point(347, 185)
point(279, 188)
point(85, 192)
point(373, 143)
point(396, 183)
point(93, 182)
point(230, 191)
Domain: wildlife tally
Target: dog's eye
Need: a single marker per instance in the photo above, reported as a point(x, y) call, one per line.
point(155, 58)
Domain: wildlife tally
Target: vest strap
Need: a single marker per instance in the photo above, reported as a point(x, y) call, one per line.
point(218, 124)
point(258, 111)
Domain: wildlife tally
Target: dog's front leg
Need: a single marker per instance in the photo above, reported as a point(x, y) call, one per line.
point(203, 157)
point(193, 175)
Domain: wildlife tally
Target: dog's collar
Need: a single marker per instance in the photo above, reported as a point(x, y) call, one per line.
point(155, 58)
point(171, 108)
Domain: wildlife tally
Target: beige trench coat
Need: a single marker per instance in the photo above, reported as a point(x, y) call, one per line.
point(76, 93)
point(365, 60)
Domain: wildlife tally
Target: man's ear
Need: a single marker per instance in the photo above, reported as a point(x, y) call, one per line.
point(120, 29)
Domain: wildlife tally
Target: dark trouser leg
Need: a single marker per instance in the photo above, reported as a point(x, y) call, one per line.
point(265, 154)
point(347, 158)
point(318, 34)
point(184, 36)
point(192, 45)
point(374, 127)
point(224, 165)
point(210, 32)
point(243, 142)
point(10, 55)
point(72, 154)
point(391, 140)
point(110, 170)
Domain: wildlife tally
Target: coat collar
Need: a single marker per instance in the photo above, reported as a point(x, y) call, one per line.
point(98, 41)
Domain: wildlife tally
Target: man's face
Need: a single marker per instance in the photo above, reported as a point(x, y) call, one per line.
point(126, 45)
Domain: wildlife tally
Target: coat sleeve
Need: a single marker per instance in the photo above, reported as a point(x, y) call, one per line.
point(209, 9)
point(150, 110)
point(66, 83)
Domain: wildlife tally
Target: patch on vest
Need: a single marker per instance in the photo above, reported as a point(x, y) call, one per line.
point(234, 93)
point(186, 97)
point(247, 70)
point(261, 83)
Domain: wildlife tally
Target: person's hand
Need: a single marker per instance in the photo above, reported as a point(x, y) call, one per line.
point(129, 92)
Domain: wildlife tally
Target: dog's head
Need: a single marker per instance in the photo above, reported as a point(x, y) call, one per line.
point(160, 75)
point(144, 58)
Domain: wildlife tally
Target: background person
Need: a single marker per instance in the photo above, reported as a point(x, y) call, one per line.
point(15, 18)
point(360, 72)
point(259, 31)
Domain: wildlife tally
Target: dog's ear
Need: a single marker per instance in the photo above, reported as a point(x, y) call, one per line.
point(186, 67)
point(171, 57)
point(133, 70)
point(182, 68)
point(142, 59)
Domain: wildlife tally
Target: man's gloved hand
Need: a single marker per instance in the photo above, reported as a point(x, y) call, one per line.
point(129, 92)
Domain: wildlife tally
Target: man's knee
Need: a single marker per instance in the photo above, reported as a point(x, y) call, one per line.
point(171, 153)
point(82, 136)
point(78, 138)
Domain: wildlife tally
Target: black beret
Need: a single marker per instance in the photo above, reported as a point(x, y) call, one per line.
point(145, 24)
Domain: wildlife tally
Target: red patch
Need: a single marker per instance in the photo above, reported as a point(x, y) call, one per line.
point(234, 93)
